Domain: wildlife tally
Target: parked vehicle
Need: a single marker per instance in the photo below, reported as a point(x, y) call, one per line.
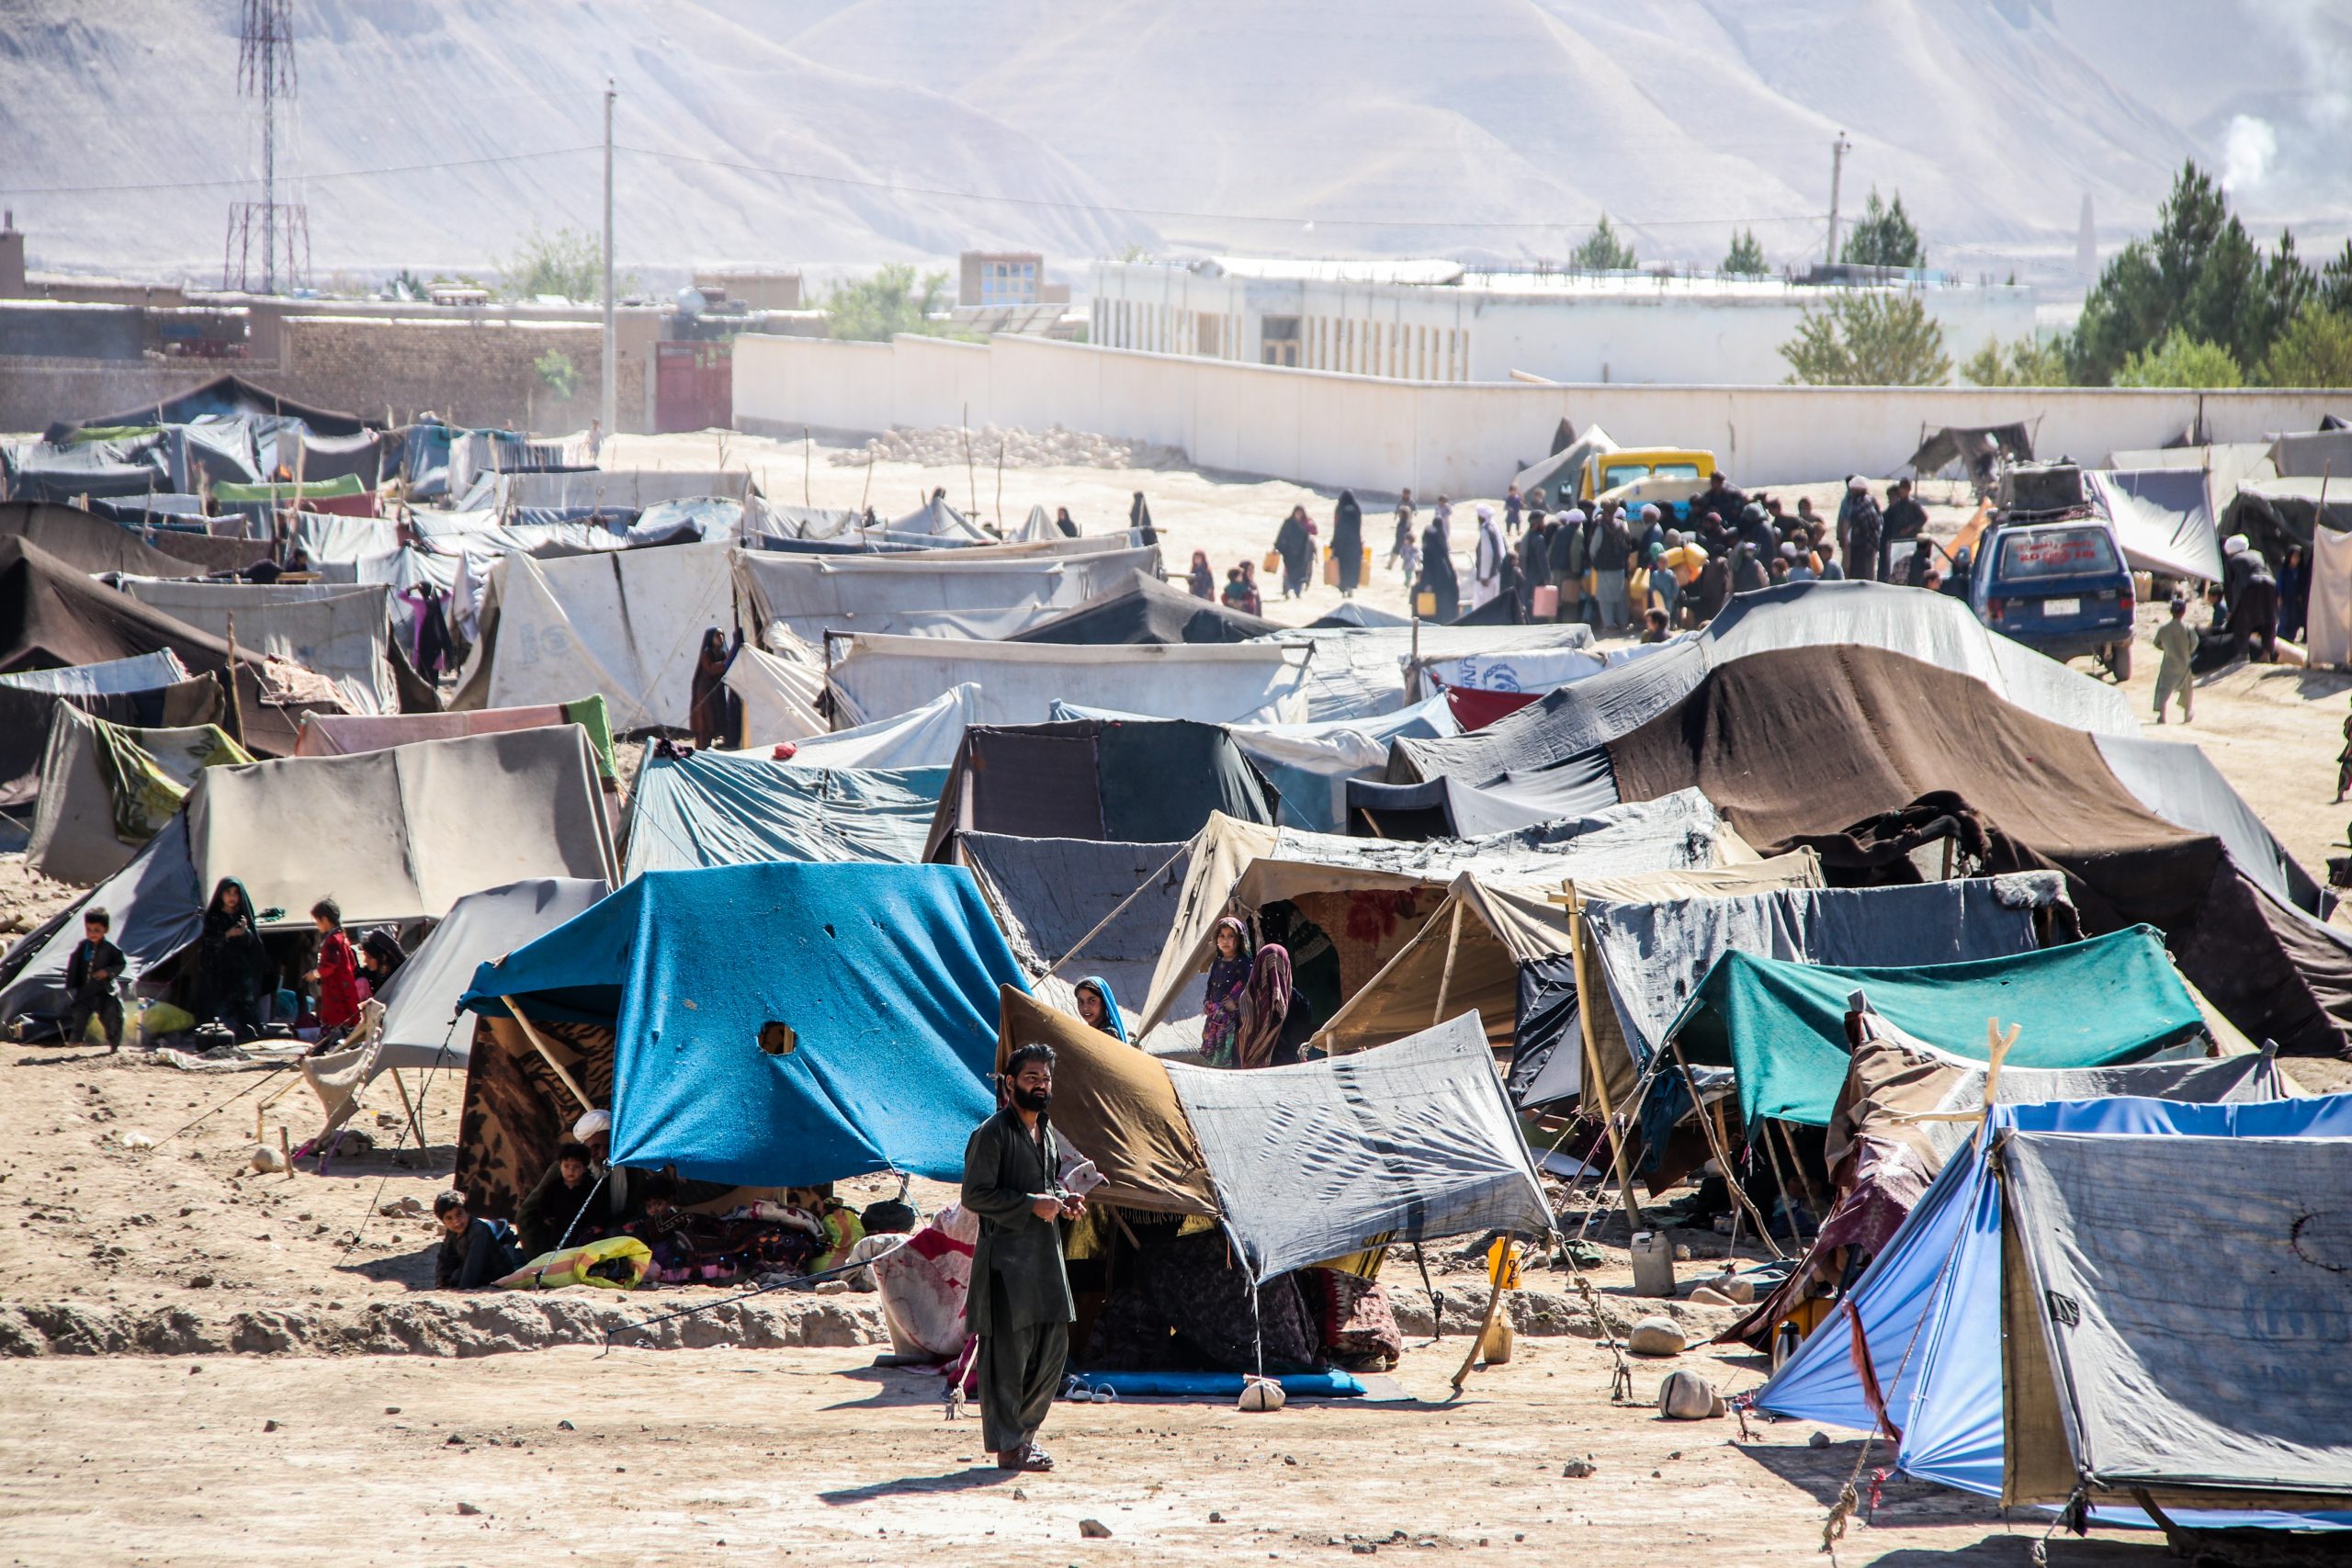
point(2059, 587)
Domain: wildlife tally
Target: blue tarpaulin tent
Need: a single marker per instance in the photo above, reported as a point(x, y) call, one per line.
point(1920, 1334)
point(725, 808)
point(783, 1023)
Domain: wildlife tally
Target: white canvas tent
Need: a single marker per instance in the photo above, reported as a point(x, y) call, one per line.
point(2162, 518)
point(875, 677)
point(341, 631)
point(627, 624)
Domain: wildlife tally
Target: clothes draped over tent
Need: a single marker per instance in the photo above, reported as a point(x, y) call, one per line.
point(106, 788)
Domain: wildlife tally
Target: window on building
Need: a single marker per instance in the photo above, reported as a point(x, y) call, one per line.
point(1278, 341)
point(1209, 335)
point(1006, 281)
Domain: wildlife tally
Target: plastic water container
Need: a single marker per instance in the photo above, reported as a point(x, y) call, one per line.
point(1547, 602)
point(1652, 1264)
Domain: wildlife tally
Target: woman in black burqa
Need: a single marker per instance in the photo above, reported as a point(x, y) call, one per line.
point(1437, 578)
point(230, 961)
point(715, 713)
point(1347, 542)
point(1295, 543)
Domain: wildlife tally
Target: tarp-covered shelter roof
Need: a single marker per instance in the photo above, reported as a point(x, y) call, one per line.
point(1213, 683)
point(1051, 894)
point(223, 395)
point(91, 544)
point(861, 1041)
point(1781, 1026)
point(106, 787)
point(1414, 1142)
point(1974, 445)
point(1360, 673)
point(976, 592)
point(28, 712)
point(343, 632)
point(345, 735)
point(2162, 519)
point(1832, 746)
point(1113, 1105)
point(421, 1001)
point(1130, 780)
point(707, 809)
point(1144, 609)
point(925, 737)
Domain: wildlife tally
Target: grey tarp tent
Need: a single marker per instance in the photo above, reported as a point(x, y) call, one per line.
point(1049, 894)
point(1414, 1141)
point(106, 787)
point(341, 631)
point(875, 677)
point(2128, 1378)
point(707, 809)
point(976, 592)
point(2162, 519)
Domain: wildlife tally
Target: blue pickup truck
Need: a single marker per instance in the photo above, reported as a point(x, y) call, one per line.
point(2061, 588)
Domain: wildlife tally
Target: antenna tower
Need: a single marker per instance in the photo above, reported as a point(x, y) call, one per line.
point(269, 240)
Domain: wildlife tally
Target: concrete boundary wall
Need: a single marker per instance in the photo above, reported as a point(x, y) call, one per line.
point(1321, 428)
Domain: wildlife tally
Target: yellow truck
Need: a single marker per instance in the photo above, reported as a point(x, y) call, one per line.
point(1636, 474)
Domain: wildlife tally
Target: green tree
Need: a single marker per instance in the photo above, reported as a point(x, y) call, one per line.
point(569, 264)
point(2314, 351)
point(876, 308)
point(2182, 361)
point(2200, 274)
point(1747, 257)
point(1867, 338)
point(557, 371)
point(2333, 290)
point(1883, 235)
point(1603, 251)
point(2025, 363)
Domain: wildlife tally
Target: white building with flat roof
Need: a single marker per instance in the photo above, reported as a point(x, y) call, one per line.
point(1439, 321)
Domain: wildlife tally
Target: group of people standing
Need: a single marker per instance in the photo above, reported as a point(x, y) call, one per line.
point(234, 970)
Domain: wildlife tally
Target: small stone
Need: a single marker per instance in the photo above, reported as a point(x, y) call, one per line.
point(1687, 1396)
point(391, 1409)
point(1818, 1440)
point(1094, 1530)
point(1578, 1469)
point(269, 1426)
point(1682, 1254)
point(1215, 1518)
point(453, 1440)
point(1707, 1295)
point(565, 1425)
point(199, 1281)
point(468, 1509)
point(1656, 1337)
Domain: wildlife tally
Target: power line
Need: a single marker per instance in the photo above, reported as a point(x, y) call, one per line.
point(334, 174)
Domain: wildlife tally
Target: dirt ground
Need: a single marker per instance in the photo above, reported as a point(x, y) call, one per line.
point(701, 1456)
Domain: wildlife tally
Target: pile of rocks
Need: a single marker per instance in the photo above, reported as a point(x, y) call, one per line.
point(1052, 448)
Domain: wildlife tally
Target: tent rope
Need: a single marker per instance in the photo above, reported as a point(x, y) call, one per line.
point(1182, 850)
point(423, 1090)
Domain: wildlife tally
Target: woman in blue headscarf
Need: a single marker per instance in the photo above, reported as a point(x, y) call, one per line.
point(1096, 1006)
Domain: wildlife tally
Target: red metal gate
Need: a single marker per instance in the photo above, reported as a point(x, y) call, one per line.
point(693, 386)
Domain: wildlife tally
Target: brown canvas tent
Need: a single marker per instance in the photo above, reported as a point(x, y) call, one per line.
point(91, 544)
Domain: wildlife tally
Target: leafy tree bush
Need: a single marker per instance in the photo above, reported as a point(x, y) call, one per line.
point(876, 309)
point(1746, 258)
point(1604, 251)
point(1867, 338)
point(1884, 236)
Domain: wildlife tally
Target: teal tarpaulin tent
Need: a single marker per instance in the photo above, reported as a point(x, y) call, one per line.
point(726, 808)
point(1782, 1026)
point(781, 1023)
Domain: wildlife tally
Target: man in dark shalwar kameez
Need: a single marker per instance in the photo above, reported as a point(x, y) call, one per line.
point(1020, 1303)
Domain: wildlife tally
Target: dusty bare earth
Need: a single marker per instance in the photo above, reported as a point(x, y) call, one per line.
point(162, 1305)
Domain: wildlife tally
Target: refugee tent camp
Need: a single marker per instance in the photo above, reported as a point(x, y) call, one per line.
point(105, 788)
point(627, 625)
point(421, 1028)
point(707, 809)
point(974, 593)
point(1125, 779)
point(1917, 1346)
point(445, 818)
point(585, 491)
point(861, 1042)
point(1863, 753)
point(875, 677)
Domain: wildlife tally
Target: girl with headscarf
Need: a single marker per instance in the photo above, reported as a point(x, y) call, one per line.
point(1294, 542)
point(1347, 542)
point(1203, 580)
point(715, 713)
point(229, 959)
point(1437, 579)
point(1275, 1019)
point(1096, 1007)
point(1221, 1001)
point(380, 957)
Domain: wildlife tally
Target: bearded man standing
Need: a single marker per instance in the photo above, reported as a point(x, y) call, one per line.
point(1020, 1303)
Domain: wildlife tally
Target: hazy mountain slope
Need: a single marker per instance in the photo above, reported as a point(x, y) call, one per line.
point(1483, 128)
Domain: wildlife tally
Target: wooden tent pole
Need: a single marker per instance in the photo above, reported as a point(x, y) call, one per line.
point(1594, 1081)
point(415, 1124)
point(1445, 977)
point(1486, 1324)
point(541, 1045)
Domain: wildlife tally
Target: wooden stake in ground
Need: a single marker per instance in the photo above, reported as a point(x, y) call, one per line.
point(1486, 1324)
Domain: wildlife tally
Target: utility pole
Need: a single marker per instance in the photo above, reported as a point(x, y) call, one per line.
point(1838, 148)
point(611, 357)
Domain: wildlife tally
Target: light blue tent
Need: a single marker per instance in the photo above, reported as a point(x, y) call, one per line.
point(725, 808)
point(783, 1022)
point(1913, 1349)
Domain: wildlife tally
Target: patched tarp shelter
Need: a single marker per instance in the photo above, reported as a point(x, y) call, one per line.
point(707, 809)
point(27, 714)
point(345, 734)
point(973, 594)
point(1916, 1345)
point(1371, 897)
point(1781, 1026)
point(875, 677)
point(443, 818)
point(2128, 1379)
point(1445, 808)
point(1415, 1141)
point(1363, 672)
point(1834, 746)
point(1128, 780)
point(627, 625)
point(2162, 517)
point(343, 632)
point(1934, 629)
point(862, 1040)
point(229, 396)
point(92, 544)
point(583, 490)
point(105, 788)
point(1141, 608)
point(1051, 895)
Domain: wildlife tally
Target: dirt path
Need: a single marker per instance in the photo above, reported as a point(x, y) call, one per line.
point(698, 1456)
